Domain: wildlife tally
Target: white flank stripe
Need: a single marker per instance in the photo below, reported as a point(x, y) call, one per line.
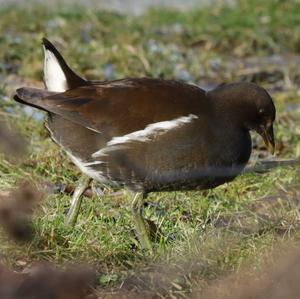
point(54, 77)
point(93, 163)
point(158, 128)
point(86, 169)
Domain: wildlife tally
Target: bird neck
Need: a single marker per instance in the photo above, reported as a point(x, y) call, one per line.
point(231, 111)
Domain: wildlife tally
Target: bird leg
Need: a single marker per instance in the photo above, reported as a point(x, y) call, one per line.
point(137, 213)
point(82, 184)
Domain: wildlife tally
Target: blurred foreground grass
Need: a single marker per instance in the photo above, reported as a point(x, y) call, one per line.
point(216, 231)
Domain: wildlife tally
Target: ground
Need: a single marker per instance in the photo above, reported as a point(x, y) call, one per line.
point(202, 235)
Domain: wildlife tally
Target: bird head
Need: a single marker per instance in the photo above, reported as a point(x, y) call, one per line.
point(251, 107)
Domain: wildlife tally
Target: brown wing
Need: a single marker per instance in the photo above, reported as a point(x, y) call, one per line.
point(119, 107)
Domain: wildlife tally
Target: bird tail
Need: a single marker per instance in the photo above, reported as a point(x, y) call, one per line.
point(32, 96)
point(58, 76)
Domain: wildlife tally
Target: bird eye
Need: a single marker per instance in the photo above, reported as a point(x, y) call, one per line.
point(261, 111)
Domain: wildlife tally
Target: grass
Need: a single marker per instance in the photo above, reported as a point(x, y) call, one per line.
point(220, 229)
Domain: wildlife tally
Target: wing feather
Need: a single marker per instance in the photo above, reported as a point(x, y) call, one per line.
point(121, 107)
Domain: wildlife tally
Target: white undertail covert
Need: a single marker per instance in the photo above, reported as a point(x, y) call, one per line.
point(54, 77)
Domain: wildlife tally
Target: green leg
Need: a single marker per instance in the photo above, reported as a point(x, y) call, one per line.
point(137, 211)
point(82, 184)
